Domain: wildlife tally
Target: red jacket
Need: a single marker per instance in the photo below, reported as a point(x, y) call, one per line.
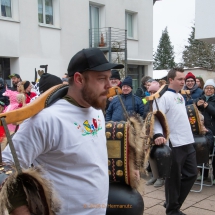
point(29, 96)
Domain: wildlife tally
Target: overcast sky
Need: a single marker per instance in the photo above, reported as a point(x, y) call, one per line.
point(178, 16)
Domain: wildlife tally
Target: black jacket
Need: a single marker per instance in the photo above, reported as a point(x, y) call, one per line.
point(140, 92)
point(4, 99)
point(208, 113)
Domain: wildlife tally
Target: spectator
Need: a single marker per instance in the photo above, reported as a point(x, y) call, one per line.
point(25, 87)
point(210, 140)
point(65, 79)
point(3, 99)
point(148, 83)
point(195, 91)
point(153, 88)
point(131, 102)
point(115, 82)
point(12, 95)
point(115, 78)
point(140, 92)
point(47, 81)
point(200, 82)
point(15, 80)
point(206, 105)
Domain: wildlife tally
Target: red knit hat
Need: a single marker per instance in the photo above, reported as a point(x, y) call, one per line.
point(190, 75)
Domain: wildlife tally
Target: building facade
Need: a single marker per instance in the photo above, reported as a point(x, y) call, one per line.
point(50, 32)
point(204, 21)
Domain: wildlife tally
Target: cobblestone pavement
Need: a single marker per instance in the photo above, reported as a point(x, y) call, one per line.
point(202, 203)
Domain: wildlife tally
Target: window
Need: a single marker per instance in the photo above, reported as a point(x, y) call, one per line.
point(45, 11)
point(94, 17)
point(6, 8)
point(94, 25)
point(129, 24)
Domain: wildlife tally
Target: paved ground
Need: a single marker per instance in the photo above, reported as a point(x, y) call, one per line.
point(202, 203)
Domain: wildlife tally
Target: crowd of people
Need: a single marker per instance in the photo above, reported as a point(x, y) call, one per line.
point(68, 138)
point(24, 92)
point(183, 91)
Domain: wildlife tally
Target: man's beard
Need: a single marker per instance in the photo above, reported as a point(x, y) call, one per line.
point(93, 98)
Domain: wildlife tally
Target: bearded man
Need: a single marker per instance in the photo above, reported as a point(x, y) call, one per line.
point(68, 139)
point(15, 78)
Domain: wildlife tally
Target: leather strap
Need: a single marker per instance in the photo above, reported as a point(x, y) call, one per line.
point(123, 106)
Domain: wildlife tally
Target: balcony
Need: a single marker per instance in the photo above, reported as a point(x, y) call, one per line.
point(112, 41)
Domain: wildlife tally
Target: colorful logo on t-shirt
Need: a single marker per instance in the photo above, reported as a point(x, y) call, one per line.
point(90, 127)
point(179, 100)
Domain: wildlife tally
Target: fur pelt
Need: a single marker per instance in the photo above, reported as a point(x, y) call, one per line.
point(40, 195)
point(148, 131)
point(136, 148)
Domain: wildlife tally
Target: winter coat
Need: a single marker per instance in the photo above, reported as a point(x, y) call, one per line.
point(208, 112)
point(140, 92)
point(115, 110)
point(195, 93)
point(210, 138)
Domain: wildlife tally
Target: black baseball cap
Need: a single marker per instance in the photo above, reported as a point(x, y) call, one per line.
point(14, 75)
point(91, 59)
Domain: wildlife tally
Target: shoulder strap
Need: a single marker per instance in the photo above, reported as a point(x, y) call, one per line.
point(133, 103)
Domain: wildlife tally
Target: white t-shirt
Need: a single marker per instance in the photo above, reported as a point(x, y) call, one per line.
point(173, 106)
point(69, 143)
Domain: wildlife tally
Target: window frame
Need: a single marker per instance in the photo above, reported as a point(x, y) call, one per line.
point(11, 10)
point(44, 14)
point(90, 15)
point(134, 24)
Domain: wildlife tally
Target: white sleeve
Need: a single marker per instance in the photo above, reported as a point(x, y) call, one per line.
point(32, 139)
point(163, 107)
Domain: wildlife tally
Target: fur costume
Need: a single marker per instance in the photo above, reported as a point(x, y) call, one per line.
point(148, 130)
point(125, 150)
point(40, 195)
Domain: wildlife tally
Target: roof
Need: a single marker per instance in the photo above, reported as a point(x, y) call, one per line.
point(159, 74)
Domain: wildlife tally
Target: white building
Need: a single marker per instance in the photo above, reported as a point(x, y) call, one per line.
point(204, 21)
point(50, 32)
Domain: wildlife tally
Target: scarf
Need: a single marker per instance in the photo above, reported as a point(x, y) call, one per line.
point(207, 97)
point(191, 90)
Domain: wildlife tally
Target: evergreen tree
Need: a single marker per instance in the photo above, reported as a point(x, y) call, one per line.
point(164, 57)
point(198, 53)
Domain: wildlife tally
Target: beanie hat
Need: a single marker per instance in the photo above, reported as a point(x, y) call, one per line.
point(127, 81)
point(154, 86)
point(209, 82)
point(190, 75)
point(115, 74)
point(47, 81)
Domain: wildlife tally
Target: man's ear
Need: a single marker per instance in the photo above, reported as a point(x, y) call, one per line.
point(78, 78)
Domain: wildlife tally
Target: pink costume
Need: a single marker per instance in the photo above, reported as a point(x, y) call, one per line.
point(12, 106)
